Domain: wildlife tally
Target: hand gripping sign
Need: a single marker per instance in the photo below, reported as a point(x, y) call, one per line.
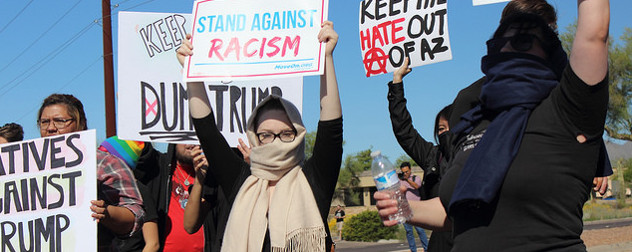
point(391, 30)
point(253, 39)
point(152, 99)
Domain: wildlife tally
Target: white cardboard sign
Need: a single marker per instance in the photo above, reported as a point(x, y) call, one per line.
point(391, 30)
point(46, 186)
point(253, 39)
point(152, 99)
point(482, 2)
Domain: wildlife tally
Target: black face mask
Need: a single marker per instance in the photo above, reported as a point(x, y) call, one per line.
point(444, 144)
point(556, 56)
point(520, 42)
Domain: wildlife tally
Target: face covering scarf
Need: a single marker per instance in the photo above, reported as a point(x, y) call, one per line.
point(291, 215)
point(516, 84)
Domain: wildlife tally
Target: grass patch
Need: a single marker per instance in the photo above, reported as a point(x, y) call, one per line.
point(607, 209)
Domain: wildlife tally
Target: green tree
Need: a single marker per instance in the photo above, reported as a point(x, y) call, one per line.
point(349, 178)
point(619, 120)
point(405, 158)
point(310, 139)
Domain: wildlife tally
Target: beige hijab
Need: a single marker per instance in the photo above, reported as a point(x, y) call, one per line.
point(291, 215)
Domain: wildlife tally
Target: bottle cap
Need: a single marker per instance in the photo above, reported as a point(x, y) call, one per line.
point(375, 153)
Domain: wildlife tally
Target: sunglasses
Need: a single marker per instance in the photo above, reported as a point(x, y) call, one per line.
point(521, 42)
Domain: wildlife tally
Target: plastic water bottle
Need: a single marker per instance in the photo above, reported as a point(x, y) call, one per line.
point(386, 180)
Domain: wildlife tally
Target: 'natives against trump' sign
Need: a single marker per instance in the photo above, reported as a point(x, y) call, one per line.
point(46, 186)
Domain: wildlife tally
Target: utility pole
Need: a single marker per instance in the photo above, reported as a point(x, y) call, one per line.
point(108, 70)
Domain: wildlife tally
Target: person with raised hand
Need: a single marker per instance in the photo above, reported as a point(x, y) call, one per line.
point(524, 160)
point(280, 201)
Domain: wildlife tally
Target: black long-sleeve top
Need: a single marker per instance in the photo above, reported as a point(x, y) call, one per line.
point(425, 153)
point(230, 171)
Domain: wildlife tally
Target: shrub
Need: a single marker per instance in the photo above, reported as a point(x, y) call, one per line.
point(606, 210)
point(332, 228)
point(367, 226)
point(332, 225)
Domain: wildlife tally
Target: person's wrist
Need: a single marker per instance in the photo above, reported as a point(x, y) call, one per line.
point(201, 173)
point(200, 178)
point(106, 211)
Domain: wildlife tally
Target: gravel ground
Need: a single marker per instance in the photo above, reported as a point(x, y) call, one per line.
point(607, 236)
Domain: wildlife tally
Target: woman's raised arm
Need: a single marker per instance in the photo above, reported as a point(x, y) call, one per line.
point(589, 55)
point(199, 105)
point(330, 107)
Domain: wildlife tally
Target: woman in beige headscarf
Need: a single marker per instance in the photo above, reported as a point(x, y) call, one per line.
point(280, 201)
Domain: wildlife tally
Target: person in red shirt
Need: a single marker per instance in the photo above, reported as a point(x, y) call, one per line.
point(166, 180)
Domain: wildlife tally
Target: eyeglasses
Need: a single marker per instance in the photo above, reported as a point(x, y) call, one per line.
point(521, 42)
point(59, 123)
point(285, 136)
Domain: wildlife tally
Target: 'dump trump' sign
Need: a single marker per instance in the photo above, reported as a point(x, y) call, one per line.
point(152, 99)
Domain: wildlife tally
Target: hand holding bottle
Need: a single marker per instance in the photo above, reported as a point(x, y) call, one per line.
point(388, 186)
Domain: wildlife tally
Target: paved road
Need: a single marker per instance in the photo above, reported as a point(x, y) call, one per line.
point(608, 224)
point(397, 246)
point(345, 246)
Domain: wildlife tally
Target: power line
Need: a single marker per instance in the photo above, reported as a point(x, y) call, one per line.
point(117, 5)
point(41, 36)
point(46, 59)
point(80, 73)
point(65, 85)
point(33, 69)
point(143, 3)
point(16, 16)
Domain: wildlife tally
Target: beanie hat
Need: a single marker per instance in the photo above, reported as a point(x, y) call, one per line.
point(127, 150)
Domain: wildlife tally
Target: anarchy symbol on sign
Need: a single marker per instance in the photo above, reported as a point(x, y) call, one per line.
point(375, 55)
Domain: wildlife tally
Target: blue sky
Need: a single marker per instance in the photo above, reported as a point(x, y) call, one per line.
point(56, 46)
